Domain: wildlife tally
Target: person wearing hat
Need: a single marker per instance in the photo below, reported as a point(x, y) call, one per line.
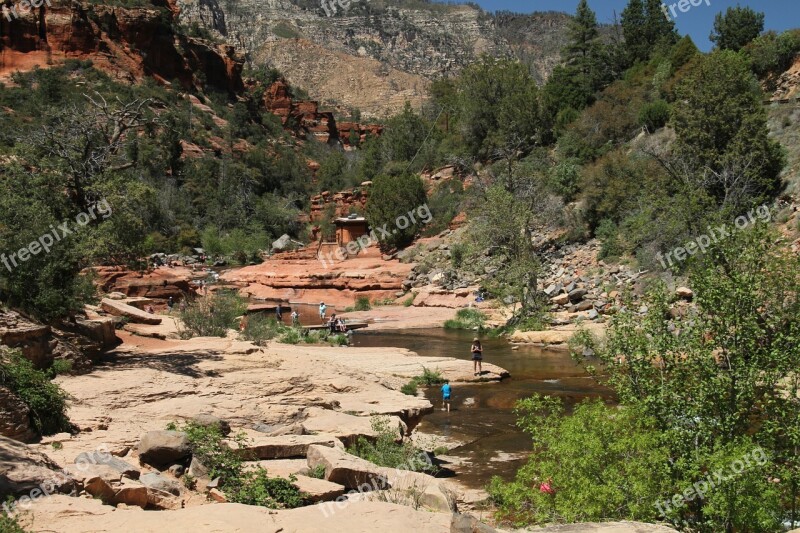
point(477, 356)
point(322, 310)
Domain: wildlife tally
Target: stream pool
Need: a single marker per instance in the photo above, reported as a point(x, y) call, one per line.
point(482, 417)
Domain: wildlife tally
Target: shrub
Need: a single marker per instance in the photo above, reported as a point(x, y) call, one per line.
point(318, 472)
point(46, 400)
point(408, 302)
point(362, 304)
point(654, 115)
point(10, 524)
point(467, 319)
point(429, 378)
point(290, 336)
point(212, 316)
point(385, 450)
point(603, 463)
point(251, 488)
point(392, 198)
point(259, 329)
point(409, 388)
point(257, 488)
point(61, 366)
point(457, 254)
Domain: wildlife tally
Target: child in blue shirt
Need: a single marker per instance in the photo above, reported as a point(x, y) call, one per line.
point(446, 395)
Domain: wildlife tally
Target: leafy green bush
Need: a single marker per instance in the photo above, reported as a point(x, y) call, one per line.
point(654, 115)
point(257, 488)
point(467, 319)
point(362, 304)
point(409, 388)
point(61, 366)
point(318, 472)
point(259, 329)
point(212, 316)
point(386, 450)
point(429, 378)
point(46, 400)
point(248, 487)
point(602, 464)
point(8, 523)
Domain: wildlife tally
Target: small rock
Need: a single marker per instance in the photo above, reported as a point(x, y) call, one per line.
point(217, 495)
point(685, 293)
point(177, 470)
point(209, 420)
point(156, 481)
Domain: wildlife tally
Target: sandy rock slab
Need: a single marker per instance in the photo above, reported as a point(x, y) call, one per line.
point(119, 308)
point(79, 515)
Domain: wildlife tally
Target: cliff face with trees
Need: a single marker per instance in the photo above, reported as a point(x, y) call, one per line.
point(376, 55)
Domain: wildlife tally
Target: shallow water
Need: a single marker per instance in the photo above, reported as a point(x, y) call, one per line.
point(482, 414)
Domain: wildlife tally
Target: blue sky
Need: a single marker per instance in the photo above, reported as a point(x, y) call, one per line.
point(697, 22)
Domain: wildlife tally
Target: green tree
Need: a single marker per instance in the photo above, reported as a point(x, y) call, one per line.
point(736, 28)
point(598, 464)
point(584, 53)
point(391, 198)
point(646, 29)
point(498, 107)
point(720, 381)
point(722, 132)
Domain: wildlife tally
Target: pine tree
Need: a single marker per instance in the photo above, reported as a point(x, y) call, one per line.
point(634, 27)
point(646, 29)
point(584, 52)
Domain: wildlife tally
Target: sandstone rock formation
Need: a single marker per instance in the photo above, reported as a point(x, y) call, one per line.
point(24, 469)
point(129, 43)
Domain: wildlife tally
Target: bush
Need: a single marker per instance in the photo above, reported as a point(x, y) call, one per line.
point(257, 488)
point(362, 304)
point(250, 488)
point(386, 451)
point(9, 524)
point(602, 464)
point(61, 366)
point(212, 316)
point(429, 378)
point(467, 319)
point(409, 388)
point(390, 200)
point(259, 329)
point(46, 400)
point(654, 115)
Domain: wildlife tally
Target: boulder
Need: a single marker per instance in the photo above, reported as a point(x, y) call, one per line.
point(346, 427)
point(464, 523)
point(283, 243)
point(24, 469)
point(283, 446)
point(345, 469)
point(209, 420)
point(156, 481)
point(577, 295)
point(107, 459)
point(561, 299)
point(162, 449)
point(197, 469)
point(318, 490)
point(117, 308)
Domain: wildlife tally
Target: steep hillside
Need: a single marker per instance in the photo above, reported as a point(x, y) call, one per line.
point(375, 55)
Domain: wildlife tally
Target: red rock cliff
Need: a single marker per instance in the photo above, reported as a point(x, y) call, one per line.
point(129, 43)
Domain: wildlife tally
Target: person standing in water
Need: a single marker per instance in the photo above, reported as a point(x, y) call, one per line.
point(477, 356)
point(446, 395)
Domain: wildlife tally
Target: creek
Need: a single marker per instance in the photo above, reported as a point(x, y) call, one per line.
point(482, 418)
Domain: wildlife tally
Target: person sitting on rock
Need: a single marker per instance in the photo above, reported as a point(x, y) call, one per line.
point(341, 326)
